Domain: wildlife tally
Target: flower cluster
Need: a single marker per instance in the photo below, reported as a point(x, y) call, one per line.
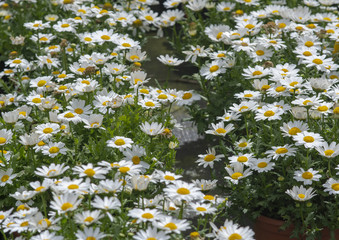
point(87, 150)
point(279, 131)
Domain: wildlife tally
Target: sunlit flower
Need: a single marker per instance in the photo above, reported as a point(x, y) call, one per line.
point(328, 151)
point(120, 142)
point(88, 217)
point(6, 177)
point(301, 193)
point(281, 151)
point(180, 190)
point(151, 233)
point(66, 202)
point(307, 177)
point(89, 234)
point(332, 186)
point(209, 158)
point(236, 172)
point(152, 129)
point(52, 170)
point(54, 148)
point(308, 139)
point(220, 130)
point(145, 215)
point(172, 225)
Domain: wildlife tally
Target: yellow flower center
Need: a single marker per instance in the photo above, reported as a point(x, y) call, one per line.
point(91, 238)
point(201, 209)
point(119, 142)
point(235, 236)
point(302, 196)
point(149, 104)
point(187, 96)
point(84, 81)
point(260, 52)
point(41, 83)
point(62, 87)
point(73, 186)
point(269, 113)
point(236, 175)
point(242, 145)
point(221, 55)
point(51, 171)
point(249, 26)
point(214, 68)
point(41, 143)
point(257, 73)
point(38, 189)
point(149, 18)
point(307, 53)
point(24, 224)
point(309, 139)
point(4, 178)
point(89, 172)
point(317, 61)
point(280, 89)
point(66, 206)
point(45, 220)
point(209, 197)
point(47, 130)
point(309, 44)
point(220, 130)
point(262, 164)
point(69, 115)
point(151, 238)
point(171, 226)
point(124, 169)
point(88, 39)
point(2, 140)
point(335, 186)
point(328, 152)
point(219, 35)
point(169, 178)
point(135, 160)
point(105, 37)
point(36, 100)
point(242, 108)
point(336, 110)
point(162, 96)
point(17, 61)
point(78, 111)
point(89, 219)
point(209, 158)
point(183, 191)
point(322, 108)
point(2, 217)
point(248, 95)
point(281, 25)
point(127, 45)
point(294, 131)
point(54, 150)
point(147, 215)
point(307, 175)
point(281, 150)
point(242, 159)
point(65, 25)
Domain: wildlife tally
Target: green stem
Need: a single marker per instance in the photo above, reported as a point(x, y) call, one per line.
point(44, 204)
point(3, 234)
point(181, 209)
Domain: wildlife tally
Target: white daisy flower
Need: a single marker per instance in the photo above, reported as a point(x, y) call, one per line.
point(307, 177)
